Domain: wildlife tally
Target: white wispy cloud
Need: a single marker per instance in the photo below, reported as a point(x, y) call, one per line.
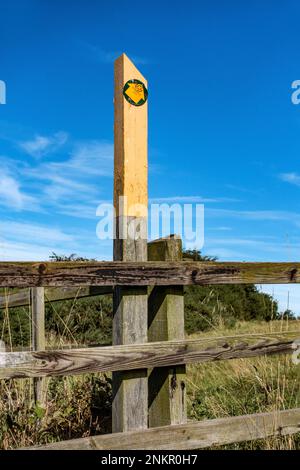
point(243, 189)
point(12, 196)
point(292, 178)
point(25, 241)
point(270, 245)
point(17, 251)
point(35, 232)
point(190, 199)
point(265, 215)
point(222, 228)
point(225, 253)
point(42, 145)
point(81, 210)
point(92, 158)
point(87, 159)
point(253, 248)
point(61, 188)
point(22, 251)
point(71, 184)
point(99, 54)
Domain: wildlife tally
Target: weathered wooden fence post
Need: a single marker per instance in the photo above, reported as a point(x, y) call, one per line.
point(167, 390)
point(130, 389)
point(38, 337)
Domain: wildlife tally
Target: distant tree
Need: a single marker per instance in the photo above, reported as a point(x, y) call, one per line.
point(287, 315)
point(72, 257)
point(89, 320)
point(196, 255)
point(206, 306)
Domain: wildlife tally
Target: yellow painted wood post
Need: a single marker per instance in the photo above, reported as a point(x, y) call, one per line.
point(130, 389)
point(38, 337)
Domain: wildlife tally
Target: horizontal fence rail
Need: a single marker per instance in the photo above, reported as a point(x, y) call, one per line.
point(151, 273)
point(53, 294)
point(137, 356)
point(88, 279)
point(193, 435)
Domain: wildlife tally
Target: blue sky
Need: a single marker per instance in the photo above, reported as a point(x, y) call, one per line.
point(222, 127)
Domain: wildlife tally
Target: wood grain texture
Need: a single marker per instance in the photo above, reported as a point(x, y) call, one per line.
point(193, 435)
point(130, 390)
point(145, 273)
point(54, 294)
point(38, 318)
point(131, 145)
point(167, 388)
point(139, 356)
point(38, 337)
point(18, 299)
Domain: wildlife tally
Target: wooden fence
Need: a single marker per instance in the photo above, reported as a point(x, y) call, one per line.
point(150, 352)
point(164, 356)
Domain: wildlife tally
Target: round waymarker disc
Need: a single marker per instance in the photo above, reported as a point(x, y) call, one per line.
point(135, 92)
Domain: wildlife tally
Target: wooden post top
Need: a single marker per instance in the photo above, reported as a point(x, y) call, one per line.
point(131, 139)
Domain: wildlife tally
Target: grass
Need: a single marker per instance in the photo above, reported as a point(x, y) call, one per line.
point(79, 406)
point(76, 406)
point(244, 386)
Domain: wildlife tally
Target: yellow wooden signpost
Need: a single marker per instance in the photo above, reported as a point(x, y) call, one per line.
point(130, 389)
point(141, 315)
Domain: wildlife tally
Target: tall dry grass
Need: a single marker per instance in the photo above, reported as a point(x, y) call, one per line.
point(245, 386)
point(81, 405)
